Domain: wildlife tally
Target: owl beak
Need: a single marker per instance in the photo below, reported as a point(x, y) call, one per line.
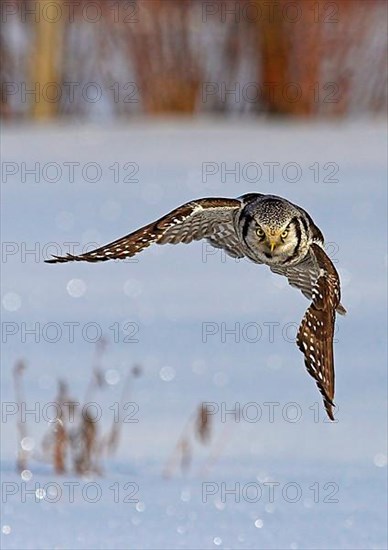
point(272, 241)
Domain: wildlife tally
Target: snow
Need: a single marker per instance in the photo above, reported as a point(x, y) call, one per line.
point(205, 327)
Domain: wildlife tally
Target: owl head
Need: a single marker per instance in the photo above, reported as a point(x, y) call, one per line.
point(275, 229)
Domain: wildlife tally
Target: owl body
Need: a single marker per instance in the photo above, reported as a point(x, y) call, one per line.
point(268, 230)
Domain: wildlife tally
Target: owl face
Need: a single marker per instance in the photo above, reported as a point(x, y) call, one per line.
point(274, 231)
point(276, 242)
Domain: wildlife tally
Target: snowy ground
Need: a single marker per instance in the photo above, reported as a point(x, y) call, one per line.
point(298, 484)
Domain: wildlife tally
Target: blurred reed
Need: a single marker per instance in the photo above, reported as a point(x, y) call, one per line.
point(192, 57)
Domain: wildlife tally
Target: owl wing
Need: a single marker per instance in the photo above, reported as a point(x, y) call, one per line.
point(316, 331)
point(209, 218)
point(303, 276)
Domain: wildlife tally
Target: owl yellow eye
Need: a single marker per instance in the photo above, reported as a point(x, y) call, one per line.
point(284, 234)
point(259, 232)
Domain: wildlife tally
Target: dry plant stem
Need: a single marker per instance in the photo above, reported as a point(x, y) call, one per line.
point(60, 447)
point(55, 443)
point(218, 449)
point(61, 436)
point(96, 378)
point(86, 460)
point(22, 455)
point(112, 440)
point(203, 424)
point(179, 450)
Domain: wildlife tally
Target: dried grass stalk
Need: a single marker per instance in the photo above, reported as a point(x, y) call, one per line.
point(203, 424)
point(22, 454)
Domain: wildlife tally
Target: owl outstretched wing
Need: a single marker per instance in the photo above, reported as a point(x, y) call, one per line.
point(316, 331)
point(303, 276)
point(209, 218)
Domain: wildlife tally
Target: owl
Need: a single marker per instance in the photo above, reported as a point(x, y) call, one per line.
point(268, 230)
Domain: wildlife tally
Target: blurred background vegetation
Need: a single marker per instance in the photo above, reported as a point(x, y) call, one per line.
point(117, 59)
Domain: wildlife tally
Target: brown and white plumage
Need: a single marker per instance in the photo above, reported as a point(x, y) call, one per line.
point(266, 229)
point(204, 218)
